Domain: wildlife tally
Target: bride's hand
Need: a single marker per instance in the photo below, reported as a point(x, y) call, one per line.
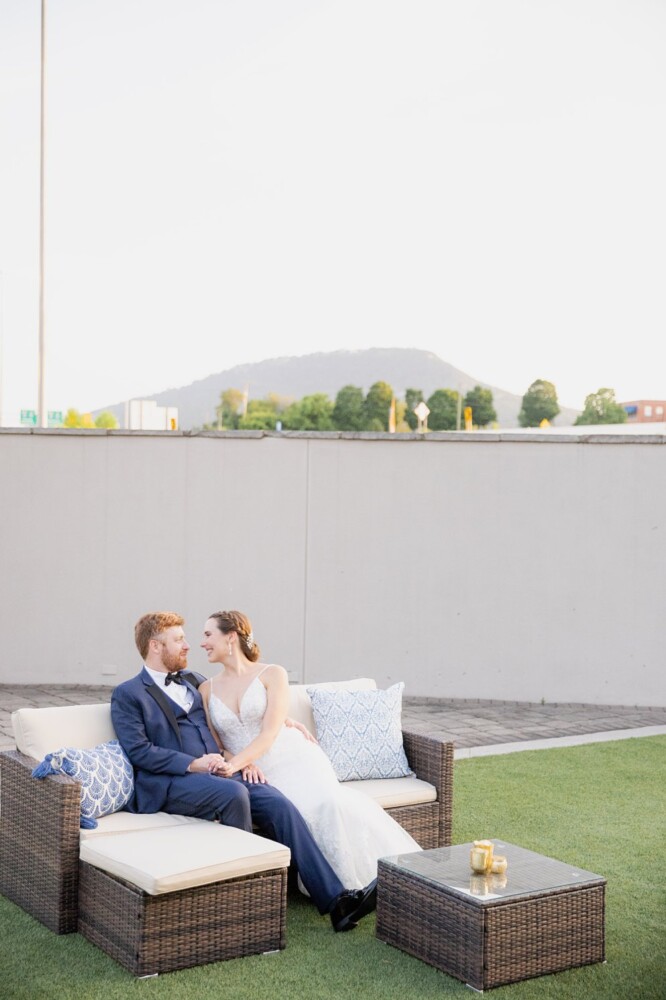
point(253, 774)
point(221, 767)
point(303, 730)
point(211, 762)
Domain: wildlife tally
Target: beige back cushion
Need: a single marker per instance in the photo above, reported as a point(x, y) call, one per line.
point(39, 731)
point(300, 708)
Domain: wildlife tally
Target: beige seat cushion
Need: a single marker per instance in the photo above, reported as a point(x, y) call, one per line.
point(300, 708)
point(392, 793)
point(39, 731)
point(125, 822)
point(180, 857)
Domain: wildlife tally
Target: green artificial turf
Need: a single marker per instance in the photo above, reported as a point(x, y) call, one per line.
point(600, 807)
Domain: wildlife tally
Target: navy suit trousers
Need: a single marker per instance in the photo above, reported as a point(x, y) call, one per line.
point(237, 803)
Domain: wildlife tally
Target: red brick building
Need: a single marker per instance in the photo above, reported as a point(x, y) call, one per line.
point(645, 411)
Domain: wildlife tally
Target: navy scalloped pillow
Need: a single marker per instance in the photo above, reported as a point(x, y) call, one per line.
point(104, 772)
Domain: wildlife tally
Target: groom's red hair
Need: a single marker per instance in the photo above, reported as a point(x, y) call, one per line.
point(151, 625)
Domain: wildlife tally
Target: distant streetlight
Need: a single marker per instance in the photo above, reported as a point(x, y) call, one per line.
point(41, 395)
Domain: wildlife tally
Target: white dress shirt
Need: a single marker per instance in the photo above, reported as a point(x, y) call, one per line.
point(180, 693)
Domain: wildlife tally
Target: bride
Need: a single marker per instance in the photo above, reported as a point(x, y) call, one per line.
point(246, 705)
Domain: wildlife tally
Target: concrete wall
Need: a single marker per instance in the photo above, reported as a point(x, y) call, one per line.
point(478, 565)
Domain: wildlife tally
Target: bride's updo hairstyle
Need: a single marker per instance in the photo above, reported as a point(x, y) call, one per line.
point(236, 621)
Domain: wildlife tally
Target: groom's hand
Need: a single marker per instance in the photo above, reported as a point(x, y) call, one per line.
point(214, 762)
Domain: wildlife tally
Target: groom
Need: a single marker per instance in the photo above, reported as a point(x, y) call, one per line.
point(160, 721)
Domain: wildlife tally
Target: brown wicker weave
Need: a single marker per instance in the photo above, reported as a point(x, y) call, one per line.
point(431, 760)
point(550, 919)
point(39, 842)
point(39, 828)
point(152, 934)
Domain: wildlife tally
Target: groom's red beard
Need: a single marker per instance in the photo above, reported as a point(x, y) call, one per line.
point(174, 661)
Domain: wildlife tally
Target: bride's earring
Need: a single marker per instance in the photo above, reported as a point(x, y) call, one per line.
point(229, 647)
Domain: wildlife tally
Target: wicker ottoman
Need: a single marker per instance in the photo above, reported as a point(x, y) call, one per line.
point(168, 899)
point(543, 916)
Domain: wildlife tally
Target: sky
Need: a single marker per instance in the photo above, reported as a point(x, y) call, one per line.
point(233, 180)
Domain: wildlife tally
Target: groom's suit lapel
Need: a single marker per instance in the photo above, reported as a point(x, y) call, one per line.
point(164, 702)
point(193, 678)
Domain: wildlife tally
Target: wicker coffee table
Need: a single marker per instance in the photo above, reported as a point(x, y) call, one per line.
point(488, 930)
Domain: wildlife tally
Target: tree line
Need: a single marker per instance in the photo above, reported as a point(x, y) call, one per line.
point(380, 410)
point(353, 410)
point(74, 418)
point(540, 404)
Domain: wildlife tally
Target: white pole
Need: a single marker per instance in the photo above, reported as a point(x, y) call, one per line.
point(2, 332)
point(41, 407)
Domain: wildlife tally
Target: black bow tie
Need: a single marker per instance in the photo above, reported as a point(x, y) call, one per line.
point(175, 677)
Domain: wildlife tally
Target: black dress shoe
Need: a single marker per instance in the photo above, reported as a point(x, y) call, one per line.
point(352, 905)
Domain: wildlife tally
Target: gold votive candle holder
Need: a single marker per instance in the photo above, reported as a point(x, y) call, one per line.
point(481, 856)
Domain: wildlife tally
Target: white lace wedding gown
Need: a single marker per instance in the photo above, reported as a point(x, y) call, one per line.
point(351, 830)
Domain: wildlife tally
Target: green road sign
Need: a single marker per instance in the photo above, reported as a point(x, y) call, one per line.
point(28, 418)
point(54, 418)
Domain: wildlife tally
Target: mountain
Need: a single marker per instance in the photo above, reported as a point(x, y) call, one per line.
point(295, 377)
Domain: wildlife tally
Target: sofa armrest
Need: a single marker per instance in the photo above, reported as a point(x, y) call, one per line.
point(431, 759)
point(39, 842)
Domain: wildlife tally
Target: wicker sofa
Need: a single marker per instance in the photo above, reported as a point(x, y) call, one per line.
point(62, 876)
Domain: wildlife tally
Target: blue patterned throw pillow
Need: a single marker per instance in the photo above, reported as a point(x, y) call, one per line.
point(104, 772)
point(360, 732)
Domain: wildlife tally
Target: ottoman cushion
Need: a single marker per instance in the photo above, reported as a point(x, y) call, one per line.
point(180, 857)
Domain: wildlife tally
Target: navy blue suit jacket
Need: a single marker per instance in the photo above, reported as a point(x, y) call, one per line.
point(146, 726)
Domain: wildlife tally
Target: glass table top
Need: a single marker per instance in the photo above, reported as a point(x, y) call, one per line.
point(527, 873)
